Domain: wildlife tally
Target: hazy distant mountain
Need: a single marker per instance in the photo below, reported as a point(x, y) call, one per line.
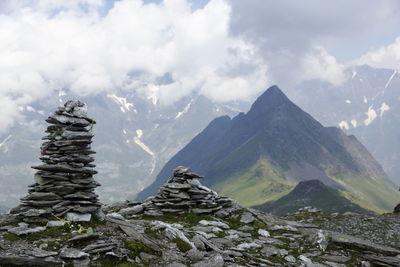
point(366, 104)
point(312, 193)
point(134, 137)
point(261, 155)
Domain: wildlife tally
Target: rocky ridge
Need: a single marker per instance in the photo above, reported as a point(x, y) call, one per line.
point(144, 234)
point(64, 184)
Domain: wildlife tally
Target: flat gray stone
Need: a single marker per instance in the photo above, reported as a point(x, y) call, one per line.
point(200, 211)
point(247, 217)
point(39, 253)
point(78, 217)
point(15, 260)
point(268, 251)
point(335, 258)
point(55, 223)
point(195, 255)
point(214, 223)
point(263, 233)
point(23, 229)
point(215, 260)
point(132, 210)
point(290, 258)
point(115, 215)
point(178, 186)
point(72, 253)
point(83, 238)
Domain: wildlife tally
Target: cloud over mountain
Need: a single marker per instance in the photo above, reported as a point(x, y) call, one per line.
point(225, 50)
point(300, 39)
point(168, 47)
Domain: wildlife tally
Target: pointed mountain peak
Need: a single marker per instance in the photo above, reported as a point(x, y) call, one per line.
point(271, 98)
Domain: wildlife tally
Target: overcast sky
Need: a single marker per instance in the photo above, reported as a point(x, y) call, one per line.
point(224, 49)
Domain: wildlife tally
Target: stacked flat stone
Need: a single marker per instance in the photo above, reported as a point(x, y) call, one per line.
point(64, 182)
point(184, 193)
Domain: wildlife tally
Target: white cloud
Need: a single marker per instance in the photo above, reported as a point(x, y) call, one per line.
point(295, 35)
point(384, 57)
point(46, 45)
point(320, 65)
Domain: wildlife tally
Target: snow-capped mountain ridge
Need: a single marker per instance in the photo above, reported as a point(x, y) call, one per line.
point(367, 105)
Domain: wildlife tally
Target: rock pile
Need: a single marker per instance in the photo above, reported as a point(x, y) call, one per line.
point(397, 208)
point(184, 193)
point(64, 183)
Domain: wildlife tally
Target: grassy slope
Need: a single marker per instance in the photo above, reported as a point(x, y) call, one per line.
point(327, 199)
point(380, 196)
point(262, 182)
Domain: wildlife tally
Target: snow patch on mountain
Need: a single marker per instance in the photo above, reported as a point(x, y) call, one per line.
point(391, 78)
point(3, 145)
point(354, 123)
point(383, 108)
point(61, 93)
point(365, 100)
point(344, 125)
point(139, 134)
point(371, 116)
point(348, 101)
point(125, 105)
point(153, 94)
point(185, 110)
point(354, 73)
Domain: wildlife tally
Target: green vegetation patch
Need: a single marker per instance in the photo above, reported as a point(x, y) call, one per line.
point(377, 195)
point(261, 183)
point(62, 232)
point(136, 247)
point(11, 237)
point(182, 245)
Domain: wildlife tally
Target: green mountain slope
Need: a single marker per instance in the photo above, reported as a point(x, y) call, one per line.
point(312, 193)
point(261, 155)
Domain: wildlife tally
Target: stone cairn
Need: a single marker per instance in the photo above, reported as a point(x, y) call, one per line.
point(184, 193)
point(64, 185)
point(397, 208)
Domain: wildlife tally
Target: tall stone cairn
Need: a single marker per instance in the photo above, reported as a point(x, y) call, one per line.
point(64, 182)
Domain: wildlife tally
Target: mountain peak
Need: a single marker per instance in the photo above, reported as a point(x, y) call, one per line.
point(271, 98)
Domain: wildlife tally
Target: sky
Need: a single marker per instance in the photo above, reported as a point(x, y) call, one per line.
point(224, 49)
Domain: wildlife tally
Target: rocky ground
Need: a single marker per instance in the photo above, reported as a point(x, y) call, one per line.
point(382, 229)
point(188, 224)
point(233, 236)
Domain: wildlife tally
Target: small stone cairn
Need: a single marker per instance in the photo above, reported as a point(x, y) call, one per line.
point(64, 183)
point(184, 193)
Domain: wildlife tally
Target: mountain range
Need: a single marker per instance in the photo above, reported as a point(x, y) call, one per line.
point(134, 136)
point(259, 156)
point(366, 104)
